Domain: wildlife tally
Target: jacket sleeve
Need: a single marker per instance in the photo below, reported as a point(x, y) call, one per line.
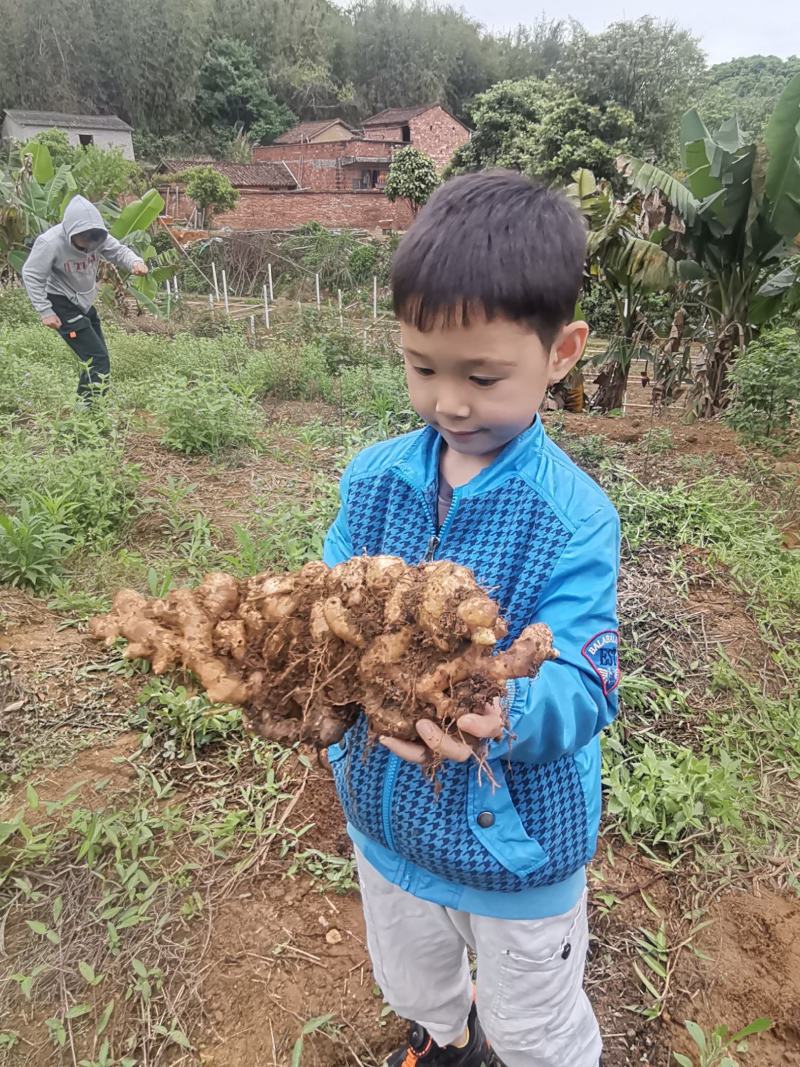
point(574, 697)
point(36, 274)
point(338, 546)
point(119, 254)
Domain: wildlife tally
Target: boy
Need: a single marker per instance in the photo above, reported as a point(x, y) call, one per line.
point(485, 283)
point(60, 276)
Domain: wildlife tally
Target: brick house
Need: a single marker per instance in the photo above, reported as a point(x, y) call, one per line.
point(329, 172)
point(431, 129)
point(270, 199)
point(331, 156)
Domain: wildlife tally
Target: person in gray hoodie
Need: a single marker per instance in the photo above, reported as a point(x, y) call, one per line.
point(60, 276)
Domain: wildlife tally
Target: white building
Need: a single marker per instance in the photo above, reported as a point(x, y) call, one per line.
point(104, 131)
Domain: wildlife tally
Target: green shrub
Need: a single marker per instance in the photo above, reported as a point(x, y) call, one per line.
point(78, 460)
point(33, 544)
point(287, 536)
point(766, 388)
point(205, 416)
point(363, 264)
point(16, 308)
point(285, 372)
point(377, 395)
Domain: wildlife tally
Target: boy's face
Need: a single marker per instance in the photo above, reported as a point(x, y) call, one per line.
point(481, 385)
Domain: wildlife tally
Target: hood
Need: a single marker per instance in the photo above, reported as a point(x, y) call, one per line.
point(81, 215)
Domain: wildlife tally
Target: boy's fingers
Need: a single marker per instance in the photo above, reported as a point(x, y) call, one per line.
point(481, 725)
point(442, 744)
point(407, 750)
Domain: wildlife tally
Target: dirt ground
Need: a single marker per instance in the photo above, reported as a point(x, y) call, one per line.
point(280, 952)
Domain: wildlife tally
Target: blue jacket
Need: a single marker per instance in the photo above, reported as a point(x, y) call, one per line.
point(544, 539)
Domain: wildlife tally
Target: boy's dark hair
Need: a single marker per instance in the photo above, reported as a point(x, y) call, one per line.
point(492, 244)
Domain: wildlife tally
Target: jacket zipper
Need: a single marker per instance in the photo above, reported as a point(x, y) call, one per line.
point(392, 771)
point(393, 767)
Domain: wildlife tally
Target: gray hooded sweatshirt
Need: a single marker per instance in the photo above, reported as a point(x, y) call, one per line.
point(55, 265)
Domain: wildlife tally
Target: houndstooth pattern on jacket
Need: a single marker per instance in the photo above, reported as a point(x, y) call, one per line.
point(511, 539)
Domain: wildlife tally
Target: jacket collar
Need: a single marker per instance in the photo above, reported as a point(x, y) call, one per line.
point(419, 464)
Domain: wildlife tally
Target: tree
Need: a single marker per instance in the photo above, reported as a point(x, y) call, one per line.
point(626, 256)
point(739, 208)
point(210, 190)
point(233, 93)
point(103, 173)
point(57, 143)
point(746, 87)
point(412, 177)
point(649, 67)
point(542, 129)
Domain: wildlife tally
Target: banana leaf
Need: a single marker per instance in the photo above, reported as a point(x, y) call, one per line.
point(139, 215)
point(43, 169)
point(773, 295)
point(645, 177)
point(782, 137)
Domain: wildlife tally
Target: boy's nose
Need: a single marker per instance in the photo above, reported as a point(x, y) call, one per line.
point(452, 407)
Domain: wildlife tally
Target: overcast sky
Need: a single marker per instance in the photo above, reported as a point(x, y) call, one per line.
point(727, 28)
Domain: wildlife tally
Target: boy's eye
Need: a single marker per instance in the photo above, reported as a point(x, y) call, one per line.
point(484, 382)
point(426, 372)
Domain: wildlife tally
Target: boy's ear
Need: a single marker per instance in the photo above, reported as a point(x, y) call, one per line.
point(567, 350)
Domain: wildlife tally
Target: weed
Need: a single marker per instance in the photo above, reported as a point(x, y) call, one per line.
point(310, 1027)
point(724, 517)
point(714, 1048)
point(657, 441)
point(178, 723)
point(378, 397)
point(591, 452)
point(333, 872)
point(664, 793)
point(286, 537)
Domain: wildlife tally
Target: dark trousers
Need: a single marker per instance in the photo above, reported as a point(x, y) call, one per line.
point(84, 335)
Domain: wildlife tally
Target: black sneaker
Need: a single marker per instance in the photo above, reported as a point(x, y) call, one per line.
point(422, 1050)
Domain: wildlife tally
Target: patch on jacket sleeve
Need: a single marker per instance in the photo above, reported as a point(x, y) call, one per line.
point(602, 651)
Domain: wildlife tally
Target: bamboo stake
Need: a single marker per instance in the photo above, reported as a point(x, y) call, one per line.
point(214, 275)
point(271, 292)
point(266, 308)
point(225, 293)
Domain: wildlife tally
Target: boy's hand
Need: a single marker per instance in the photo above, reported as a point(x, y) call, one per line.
point(53, 322)
point(139, 268)
point(486, 724)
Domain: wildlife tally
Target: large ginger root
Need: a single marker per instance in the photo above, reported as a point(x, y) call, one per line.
point(303, 652)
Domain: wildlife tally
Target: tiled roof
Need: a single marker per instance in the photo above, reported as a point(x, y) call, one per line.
point(307, 131)
point(242, 175)
point(60, 119)
point(396, 116)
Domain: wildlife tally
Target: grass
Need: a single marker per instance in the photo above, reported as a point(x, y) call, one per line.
point(106, 905)
point(725, 518)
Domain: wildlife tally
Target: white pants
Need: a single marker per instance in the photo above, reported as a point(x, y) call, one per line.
point(530, 996)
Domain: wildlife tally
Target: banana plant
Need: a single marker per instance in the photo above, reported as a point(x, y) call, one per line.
point(627, 256)
point(739, 212)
